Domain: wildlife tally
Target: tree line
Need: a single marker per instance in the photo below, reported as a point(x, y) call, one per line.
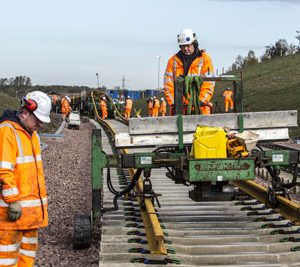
point(18, 81)
point(281, 48)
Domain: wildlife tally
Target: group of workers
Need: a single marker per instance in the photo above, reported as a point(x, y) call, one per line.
point(104, 110)
point(156, 107)
point(23, 197)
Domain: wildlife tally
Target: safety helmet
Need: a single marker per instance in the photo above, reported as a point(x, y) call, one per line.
point(154, 97)
point(128, 96)
point(187, 36)
point(228, 88)
point(162, 99)
point(39, 103)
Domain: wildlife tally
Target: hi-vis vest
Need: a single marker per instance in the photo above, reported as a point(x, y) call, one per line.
point(201, 66)
point(21, 177)
point(129, 103)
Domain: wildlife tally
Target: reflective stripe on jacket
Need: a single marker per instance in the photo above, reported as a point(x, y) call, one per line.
point(200, 66)
point(21, 177)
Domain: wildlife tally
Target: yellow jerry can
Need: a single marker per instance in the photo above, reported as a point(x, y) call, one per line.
point(209, 142)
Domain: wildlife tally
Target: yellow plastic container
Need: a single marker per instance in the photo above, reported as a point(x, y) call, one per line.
point(209, 142)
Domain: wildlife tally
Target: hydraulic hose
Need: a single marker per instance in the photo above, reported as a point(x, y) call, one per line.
point(118, 194)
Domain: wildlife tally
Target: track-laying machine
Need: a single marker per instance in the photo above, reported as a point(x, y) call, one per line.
point(207, 152)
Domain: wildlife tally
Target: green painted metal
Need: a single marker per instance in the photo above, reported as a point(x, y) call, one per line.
point(278, 157)
point(156, 160)
point(99, 161)
point(214, 170)
point(241, 123)
point(180, 133)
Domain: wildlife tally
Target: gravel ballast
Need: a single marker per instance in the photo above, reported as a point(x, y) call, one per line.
point(67, 165)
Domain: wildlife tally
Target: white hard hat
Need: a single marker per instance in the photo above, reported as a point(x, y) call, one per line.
point(128, 96)
point(187, 36)
point(43, 105)
point(154, 97)
point(162, 99)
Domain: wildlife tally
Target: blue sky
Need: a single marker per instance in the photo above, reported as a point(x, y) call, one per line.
point(66, 42)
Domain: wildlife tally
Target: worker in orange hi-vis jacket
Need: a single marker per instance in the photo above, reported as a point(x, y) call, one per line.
point(156, 106)
point(103, 107)
point(65, 107)
point(128, 107)
point(191, 61)
point(150, 106)
point(228, 102)
point(23, 196)
point(163, 107)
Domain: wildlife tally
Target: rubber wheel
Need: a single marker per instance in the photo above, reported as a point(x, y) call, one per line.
point(82, 231)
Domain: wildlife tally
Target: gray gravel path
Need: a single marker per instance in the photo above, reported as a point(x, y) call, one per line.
point(67, 164)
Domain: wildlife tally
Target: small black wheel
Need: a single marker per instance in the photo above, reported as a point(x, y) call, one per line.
point(82, 231)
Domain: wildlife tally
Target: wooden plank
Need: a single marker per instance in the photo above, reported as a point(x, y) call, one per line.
point(252, 120)
point(125, 140)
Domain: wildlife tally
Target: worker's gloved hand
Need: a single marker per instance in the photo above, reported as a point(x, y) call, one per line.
point(14, 211)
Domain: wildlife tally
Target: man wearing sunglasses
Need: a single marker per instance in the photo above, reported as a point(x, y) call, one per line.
point(23, 197)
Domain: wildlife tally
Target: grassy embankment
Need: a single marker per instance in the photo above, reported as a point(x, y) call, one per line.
point(272, 85)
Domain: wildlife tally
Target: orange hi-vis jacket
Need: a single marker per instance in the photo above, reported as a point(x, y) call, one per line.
point(103, 106)
point(128, 107)
point(22, 178)
point(163, 108)
point(128, 104)
point(227, 94)
point(200, 66)
point(65, 106)
point(156, 106)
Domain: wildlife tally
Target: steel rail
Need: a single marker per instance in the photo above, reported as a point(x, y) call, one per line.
point(154, 232)
point(286, 207)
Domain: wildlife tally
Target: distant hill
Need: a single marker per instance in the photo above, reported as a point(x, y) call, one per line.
point(8, 102)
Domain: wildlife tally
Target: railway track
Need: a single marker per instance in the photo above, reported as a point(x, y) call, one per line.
point(227, 233)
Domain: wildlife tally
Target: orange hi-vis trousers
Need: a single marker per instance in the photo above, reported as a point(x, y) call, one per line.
point(228, 103)
point(155, 112)
point(18, 247)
